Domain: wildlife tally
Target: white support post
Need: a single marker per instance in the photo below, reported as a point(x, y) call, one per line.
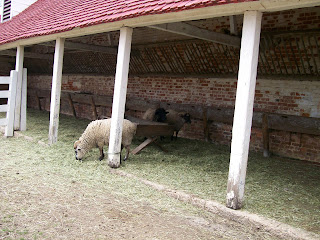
point(56, 91)
point(19, 69)
point(243, 108)
point(23, 123)
point(119, 96)
point(11, 103)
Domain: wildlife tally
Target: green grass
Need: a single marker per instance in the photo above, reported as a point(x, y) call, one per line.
point(279, 188)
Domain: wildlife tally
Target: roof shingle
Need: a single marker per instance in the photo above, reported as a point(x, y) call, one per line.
point(46, 17)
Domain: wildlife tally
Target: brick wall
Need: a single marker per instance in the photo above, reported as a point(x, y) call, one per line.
point(300, 98)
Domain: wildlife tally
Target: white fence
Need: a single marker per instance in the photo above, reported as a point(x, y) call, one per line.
point(9, 107)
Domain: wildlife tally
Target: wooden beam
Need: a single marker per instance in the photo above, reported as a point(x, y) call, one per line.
point(56, 91)
point(27, 54)
point(281, 122)
point(243, 108)
point(233, 25)
point(196, 32)
point(19, 69)
point(119, 96)
point(206, 124)
point(94, 109)
point(265, 135)
point(297, 124)
point(143, 145)
point(85, 47)
point(71, 105)
point(90, 47)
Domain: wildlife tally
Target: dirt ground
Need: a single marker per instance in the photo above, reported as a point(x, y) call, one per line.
point(79, 212)
point(38, 200)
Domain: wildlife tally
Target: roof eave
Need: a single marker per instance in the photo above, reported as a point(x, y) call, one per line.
point(187, 15)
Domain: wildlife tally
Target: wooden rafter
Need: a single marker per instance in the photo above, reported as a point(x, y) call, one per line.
point(27, 54)
point(85, 47)
point(196, 32)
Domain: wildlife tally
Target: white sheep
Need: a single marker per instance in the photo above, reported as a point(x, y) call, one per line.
point(97, 134)
point(177, 119)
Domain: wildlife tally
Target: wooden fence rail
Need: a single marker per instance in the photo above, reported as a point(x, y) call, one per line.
point(263, 120)
point(9, 107)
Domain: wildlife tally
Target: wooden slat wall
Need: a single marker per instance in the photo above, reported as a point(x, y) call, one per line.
point(275, 121)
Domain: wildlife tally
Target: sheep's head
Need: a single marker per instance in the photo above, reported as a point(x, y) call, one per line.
point(186, 117)
point(160, 115)
point(78, 151)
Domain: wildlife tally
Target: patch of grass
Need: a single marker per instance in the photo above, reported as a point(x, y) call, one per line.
point(283, 189)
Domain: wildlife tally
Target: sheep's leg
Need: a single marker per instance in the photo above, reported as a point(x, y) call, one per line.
point(120, 154)
point(177, 135)
point(127, 153)
point(101, 153)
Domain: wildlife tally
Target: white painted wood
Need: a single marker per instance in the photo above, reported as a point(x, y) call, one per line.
point(187, 15)
point(243, 108)
point(5, 80)
point(119, 96)
point(193, 31)
point(233, 25)
point(19, 68)
point(11, 102)
point(4, 108)
point(23, 119)
point(56, 91)
point(4, 94)
point(3, 121)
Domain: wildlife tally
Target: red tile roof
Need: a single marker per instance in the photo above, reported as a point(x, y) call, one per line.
point(46, 17)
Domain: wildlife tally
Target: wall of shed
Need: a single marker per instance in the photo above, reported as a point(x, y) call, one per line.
point(294, 97)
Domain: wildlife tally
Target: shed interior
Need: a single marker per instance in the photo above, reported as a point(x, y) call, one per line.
point(192, 73)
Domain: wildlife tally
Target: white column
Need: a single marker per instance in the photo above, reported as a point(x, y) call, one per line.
point(243, 108)
point(23, 115)
point(11, 103)
point(19, 69)
point(56, 91)
point(119, 96)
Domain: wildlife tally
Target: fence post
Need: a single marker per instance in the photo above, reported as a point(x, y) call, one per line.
point(11, 103)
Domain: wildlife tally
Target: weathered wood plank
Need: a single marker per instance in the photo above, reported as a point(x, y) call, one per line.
point(294, 124)
point(146, 130)
point(4, 94)
point(194, 110)
point(216, 114)
point(105, 101)
point(265, 135)
point(94, 109)
point(141, 105)
point(196, 32)
point(4, 80)
point(206, 130)
point(3, 121)
point(4, 108)
point(71, 105)
point(143, 145)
